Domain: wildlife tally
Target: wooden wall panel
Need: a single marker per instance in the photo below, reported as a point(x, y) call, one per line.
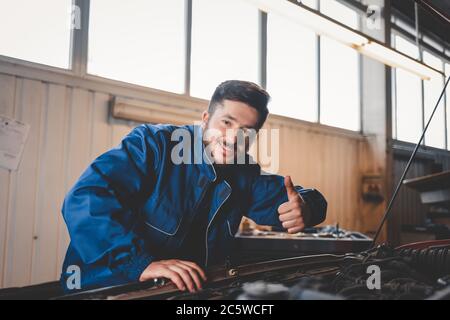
point(7, 97)
point(328, 163)
point(100, 127)
point(23, 188)
point(50, 181)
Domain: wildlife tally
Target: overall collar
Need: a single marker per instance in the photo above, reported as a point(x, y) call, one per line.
point(201, 157)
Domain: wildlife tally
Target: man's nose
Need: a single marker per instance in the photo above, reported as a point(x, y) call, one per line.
point(231, 136)
point(235, 136)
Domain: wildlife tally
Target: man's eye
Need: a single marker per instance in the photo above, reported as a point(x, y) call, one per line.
point(226, 122)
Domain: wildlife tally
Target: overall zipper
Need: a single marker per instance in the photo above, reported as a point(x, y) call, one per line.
point(207, 228)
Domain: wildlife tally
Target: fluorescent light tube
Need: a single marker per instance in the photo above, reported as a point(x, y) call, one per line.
point(313, 20)
point(397, 59)
point(365, 45)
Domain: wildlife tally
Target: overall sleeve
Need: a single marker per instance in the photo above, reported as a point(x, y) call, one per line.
point(268, 193)
point(99, 209)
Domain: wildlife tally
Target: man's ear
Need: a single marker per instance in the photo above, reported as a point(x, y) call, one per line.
point(205, 118)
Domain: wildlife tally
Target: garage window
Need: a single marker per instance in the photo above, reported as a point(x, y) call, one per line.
point(292, 69)
point(37, 31)
point(225, 44)
point(139, 41)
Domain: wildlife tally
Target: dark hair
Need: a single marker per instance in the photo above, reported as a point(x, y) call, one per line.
point(242, 91)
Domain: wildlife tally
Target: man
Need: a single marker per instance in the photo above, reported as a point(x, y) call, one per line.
point(137, 213)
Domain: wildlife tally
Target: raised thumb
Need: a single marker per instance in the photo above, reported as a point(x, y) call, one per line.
point(290, 189)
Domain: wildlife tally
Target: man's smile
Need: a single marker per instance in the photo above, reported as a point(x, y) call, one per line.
point(226, 147)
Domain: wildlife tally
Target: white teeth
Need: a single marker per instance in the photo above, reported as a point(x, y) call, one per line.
point(225, 147)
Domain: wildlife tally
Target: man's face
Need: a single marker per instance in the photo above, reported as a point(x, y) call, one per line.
point(222, 128)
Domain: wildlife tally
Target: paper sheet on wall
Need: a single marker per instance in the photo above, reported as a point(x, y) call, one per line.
point(13, 135)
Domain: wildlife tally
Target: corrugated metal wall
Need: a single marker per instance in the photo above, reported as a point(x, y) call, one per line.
point(70, 127)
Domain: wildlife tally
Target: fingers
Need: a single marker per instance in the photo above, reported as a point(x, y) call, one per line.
point(295, 230)
point(293, 223)
point(193, 274)
point(292, 215)
point(185, 276)
point(293, 204)
point(288, 207)
point(290, 189)
point(174, 277)
point(189, 273)
point(196, 267)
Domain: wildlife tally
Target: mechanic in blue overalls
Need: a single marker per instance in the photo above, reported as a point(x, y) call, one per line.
point(136, 214)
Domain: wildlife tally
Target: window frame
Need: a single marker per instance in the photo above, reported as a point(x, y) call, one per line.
point(424, 46)
point(83, 52)
point(357, 7)
point(261, 46)
point(73, 47)
point(77, 75)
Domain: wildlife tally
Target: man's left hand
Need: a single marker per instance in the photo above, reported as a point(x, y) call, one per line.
point(290, 212)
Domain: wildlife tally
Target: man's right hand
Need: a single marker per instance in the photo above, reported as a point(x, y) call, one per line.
point(184, 274)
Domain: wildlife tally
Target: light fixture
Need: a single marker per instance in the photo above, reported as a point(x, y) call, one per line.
point(325, 26)
point(311, 19)
point(397, 59)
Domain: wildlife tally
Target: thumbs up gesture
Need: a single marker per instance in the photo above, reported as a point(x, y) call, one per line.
point(290, 212)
